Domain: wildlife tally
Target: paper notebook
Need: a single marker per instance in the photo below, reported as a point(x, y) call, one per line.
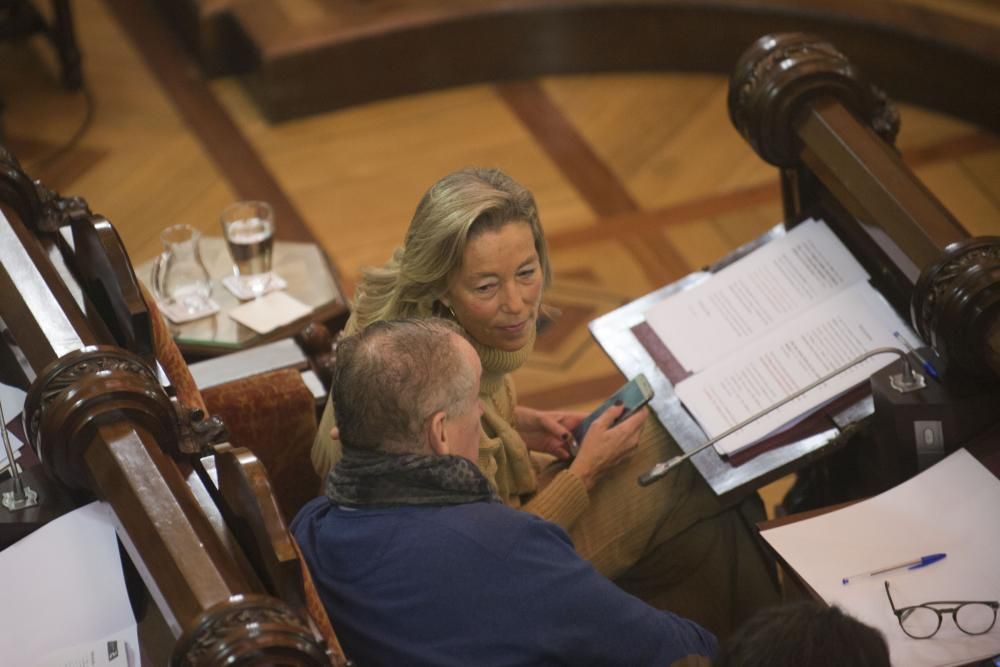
point(769, 324)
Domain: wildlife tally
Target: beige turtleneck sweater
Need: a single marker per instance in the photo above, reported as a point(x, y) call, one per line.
point(503, 455)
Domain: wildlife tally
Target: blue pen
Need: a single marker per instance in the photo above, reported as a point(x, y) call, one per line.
point(923, 561)
point(926, 365)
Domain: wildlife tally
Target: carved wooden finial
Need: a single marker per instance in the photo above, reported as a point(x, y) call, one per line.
point(956, 307)
point(41, 209)
point(779, 74)
point(250, 630)
point(72, 393)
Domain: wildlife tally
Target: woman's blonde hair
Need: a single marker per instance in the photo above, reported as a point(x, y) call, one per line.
point(454, 211)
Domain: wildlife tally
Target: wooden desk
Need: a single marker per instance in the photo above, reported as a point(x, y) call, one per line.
point(614, 333)
point(310, 277)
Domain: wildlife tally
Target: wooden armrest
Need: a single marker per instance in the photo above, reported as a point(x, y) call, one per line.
point(256, 520)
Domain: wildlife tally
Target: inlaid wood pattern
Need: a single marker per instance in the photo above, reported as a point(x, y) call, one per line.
point(640, 177)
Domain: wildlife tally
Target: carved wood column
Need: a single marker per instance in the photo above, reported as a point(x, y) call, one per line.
point(104, 426)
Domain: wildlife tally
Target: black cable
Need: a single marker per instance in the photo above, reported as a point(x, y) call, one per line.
point(88, 117)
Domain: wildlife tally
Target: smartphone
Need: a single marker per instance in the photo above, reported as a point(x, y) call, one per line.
point(633, 396)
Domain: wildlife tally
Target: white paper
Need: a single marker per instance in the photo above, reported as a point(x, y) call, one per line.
point(817, 342)
point(269, 312)
point(12, 400)
point(111, 651)
point(950, 508)
point(753, 296)
point(64, 588)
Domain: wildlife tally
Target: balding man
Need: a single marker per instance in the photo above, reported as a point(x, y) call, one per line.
point(416, 559)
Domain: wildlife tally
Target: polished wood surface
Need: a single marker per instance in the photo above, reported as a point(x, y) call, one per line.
point(355, 176)
point(104, 427)
point(300, 57)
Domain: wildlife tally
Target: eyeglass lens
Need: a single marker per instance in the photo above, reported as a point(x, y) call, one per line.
point(920, 622)
point(972, 618)
point(975, 618)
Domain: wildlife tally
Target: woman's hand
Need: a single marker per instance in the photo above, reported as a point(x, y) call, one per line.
point(547, 431)
point(605, 446)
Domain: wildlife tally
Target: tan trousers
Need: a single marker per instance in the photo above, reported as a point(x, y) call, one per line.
point(673, 543)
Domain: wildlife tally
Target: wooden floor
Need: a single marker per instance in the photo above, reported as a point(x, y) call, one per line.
point(640, 178)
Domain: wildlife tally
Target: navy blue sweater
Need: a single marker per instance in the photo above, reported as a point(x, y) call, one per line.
point(476, 584)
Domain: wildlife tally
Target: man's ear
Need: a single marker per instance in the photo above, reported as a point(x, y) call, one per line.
point(437, 436)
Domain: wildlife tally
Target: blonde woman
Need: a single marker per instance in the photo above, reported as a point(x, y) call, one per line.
point(475, 252)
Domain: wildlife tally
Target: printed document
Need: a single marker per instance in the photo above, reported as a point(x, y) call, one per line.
point(770, 324)
point(749, 298)
point(64, 599)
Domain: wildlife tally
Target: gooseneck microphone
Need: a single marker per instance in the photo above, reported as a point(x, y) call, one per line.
point(907, 381)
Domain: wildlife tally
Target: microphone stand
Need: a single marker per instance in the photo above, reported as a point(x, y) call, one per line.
point(22, 496)
point(904, 382)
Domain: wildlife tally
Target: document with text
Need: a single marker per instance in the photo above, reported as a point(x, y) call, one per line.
point(65, 601)
point(770, 324)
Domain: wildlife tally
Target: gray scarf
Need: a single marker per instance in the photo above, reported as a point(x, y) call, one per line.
point(363, 478)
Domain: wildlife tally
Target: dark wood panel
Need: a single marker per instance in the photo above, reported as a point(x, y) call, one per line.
point(379, 49)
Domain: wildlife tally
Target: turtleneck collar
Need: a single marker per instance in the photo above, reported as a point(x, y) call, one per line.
point(497, 363)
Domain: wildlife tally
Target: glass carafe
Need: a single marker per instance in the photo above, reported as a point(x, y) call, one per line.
point(179, 276)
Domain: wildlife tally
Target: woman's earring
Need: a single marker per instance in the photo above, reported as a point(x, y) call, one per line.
point(448, 306)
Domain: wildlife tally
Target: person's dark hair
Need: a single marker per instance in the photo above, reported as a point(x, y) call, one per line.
point(804, 634)
point(390, 378)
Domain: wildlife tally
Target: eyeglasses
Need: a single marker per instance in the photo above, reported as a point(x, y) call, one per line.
point(922, 621)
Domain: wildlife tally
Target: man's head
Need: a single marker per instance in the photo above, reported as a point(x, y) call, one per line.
point(408, 386)
point(803, 634)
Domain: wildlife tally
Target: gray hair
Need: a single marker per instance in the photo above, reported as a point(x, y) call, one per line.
point(390, 378)
point(455, 210)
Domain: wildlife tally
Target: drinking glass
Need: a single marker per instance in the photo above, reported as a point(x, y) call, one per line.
point(248, 227)
point(179, 275)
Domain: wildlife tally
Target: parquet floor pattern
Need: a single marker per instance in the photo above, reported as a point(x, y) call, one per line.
point(681, 188)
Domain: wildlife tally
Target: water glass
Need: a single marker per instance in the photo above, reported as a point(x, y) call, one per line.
point(248, 227)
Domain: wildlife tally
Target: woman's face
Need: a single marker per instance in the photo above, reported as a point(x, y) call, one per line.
point(496, 291)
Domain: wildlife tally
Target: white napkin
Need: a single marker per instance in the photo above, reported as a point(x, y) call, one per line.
point(269, 312)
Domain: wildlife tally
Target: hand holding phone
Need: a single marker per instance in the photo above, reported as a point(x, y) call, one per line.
point(633, 395)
